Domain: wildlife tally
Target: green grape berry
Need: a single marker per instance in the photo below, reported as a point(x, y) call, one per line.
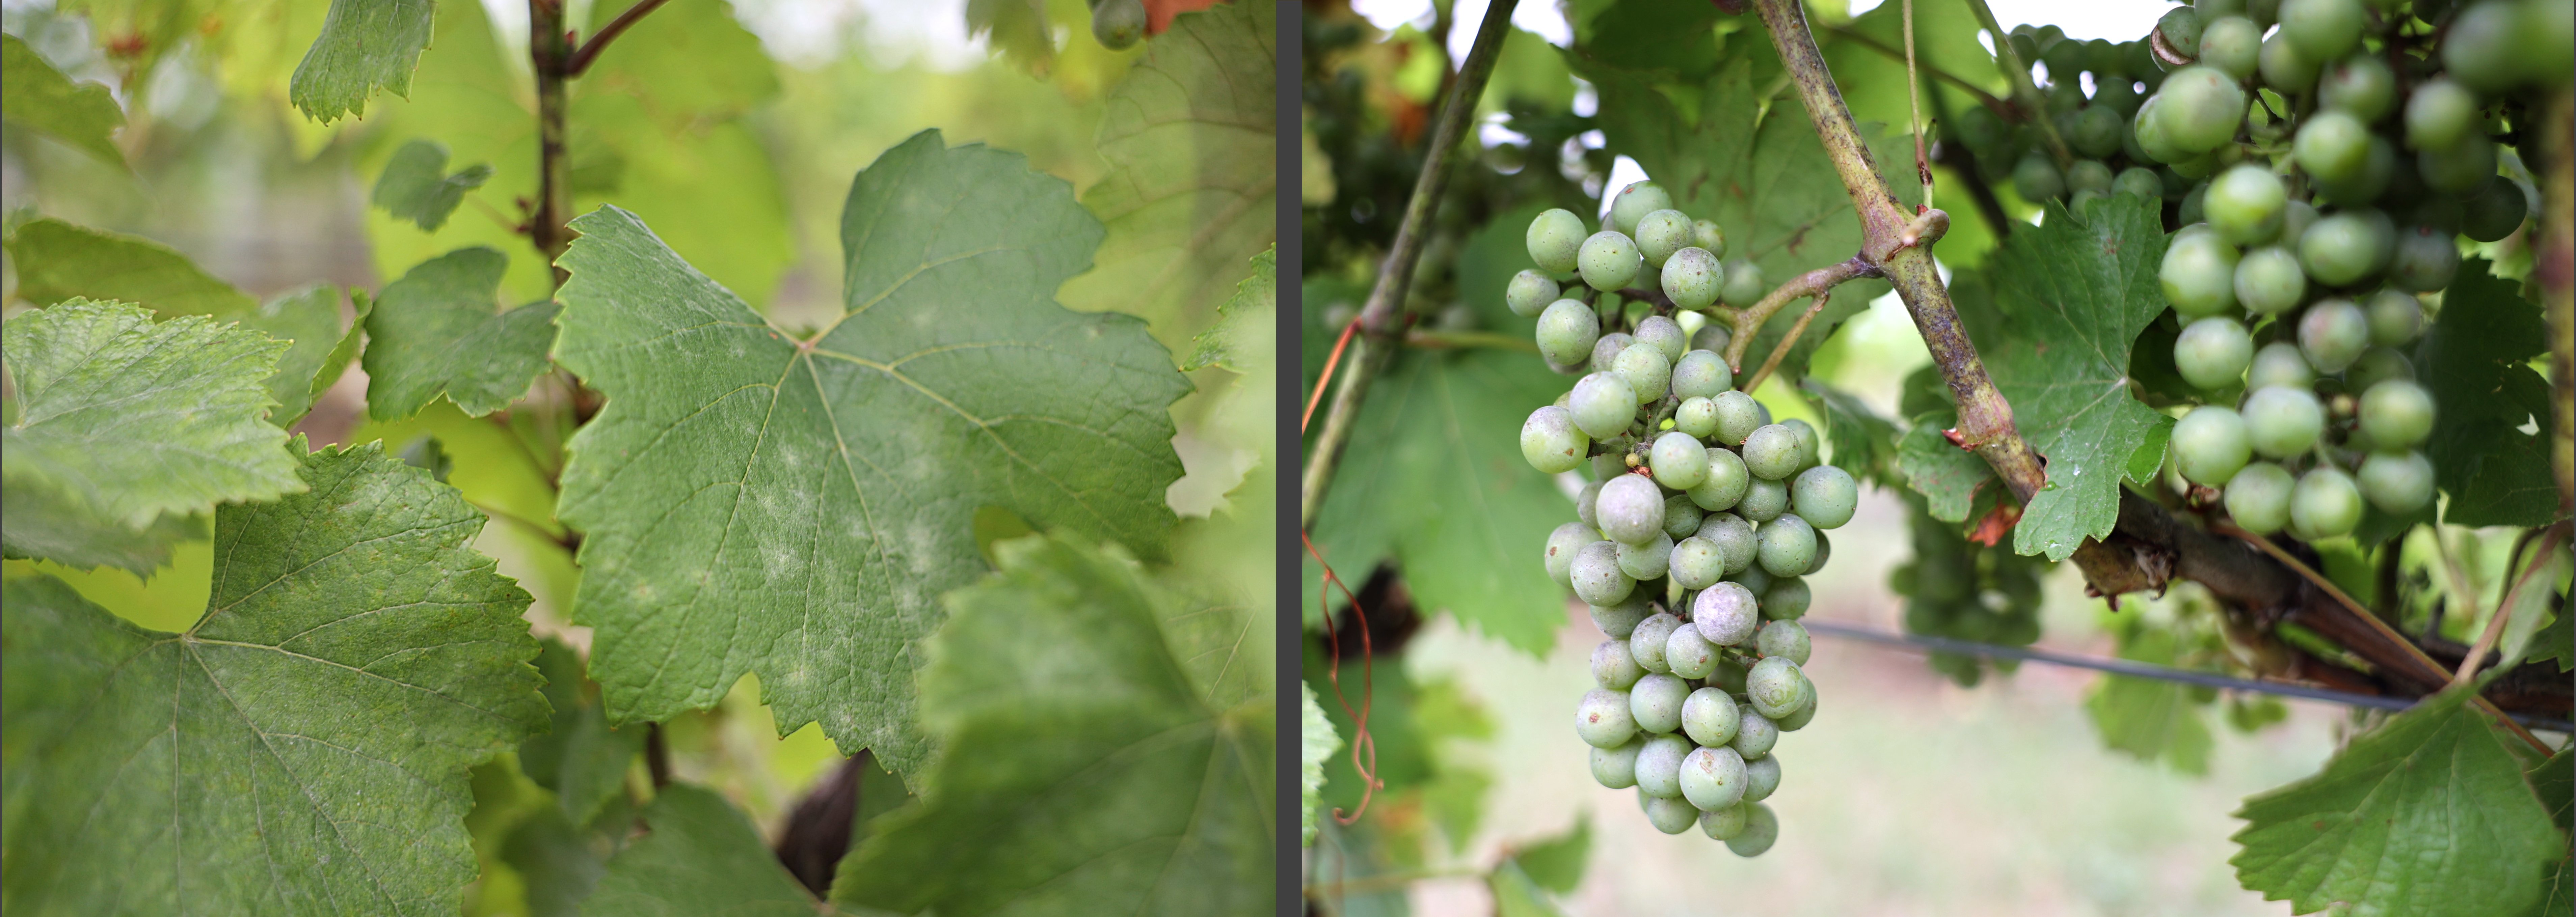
point(1696, 416)
point(2233, 44)
point(1764, 500)
point(1659, 772)
point(2361, 84)
point(2098, 133)
point(1647, 371)
point(2325, 504)
point(1788, 599)
point(2395, 318)
point(1665, 334)
point(1681, 516)
point(2147, 131)
point(1566, 332)
point(1771, 452)
point(1555, 239)
point(1647, 642)
point(2198, 274)
point(1755, 734)
point(2461, 169)
point(1602, 719)
point(1608, 261)
point(1726, 483)
point(2245, 204)
point(2138, 182)
point(1550, 441)
point(1825, 496)
point(1709, 717)
point(1696, 563)
point(2270, 281)
point(1612, 668)
point(1712, 778)
point(1646, 562)
point(2342, 249)
point(1561, 545)
point(2282, 422)
point(2494, 212)
point(1733, 538)
point(1672, 815)
point(2332, 146)
point(2037, 180)
point(2397, 482)
point(1530, 292)
point(1753, 579)
point(2280, 363)
point(2295, 220)
point(2210, 444)
point(2213, 352)
point(1738, 415)
point(2323, 29)
point(1725, 614)
point(1662, 233)
point(2396, 414)
point(1616, 768)
point(1596, 577)
point(1603, 405)
point(1606, 351)
point(2377, 365)
point(2203, 108)
point(1744, 283)
point(2380, 169)
point(2440, 114)
point(2483, 47)
point(1118, 24)
point(1656, 702)
point(2258, 498)
point(1761, 830)
point(1690, 655)
point(1810, 443)
point(2281, 63)
point(2181, 30)
point(1692, 278)
point(1588, 499)
point(1761, 778)
point(1702, 374)
point(1679, 462)
point(2426, 260)
point(1635, 202)
point(1631, 509)
point(1786, 639)
point(1787, 545)
point(2332, 334)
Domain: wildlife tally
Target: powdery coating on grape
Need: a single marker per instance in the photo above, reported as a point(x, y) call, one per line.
point(1646, 562)
point(1661, 233)
point(1763, 500)
point(1631, 509)
point(2396, 414)
point(1696, 564)
point(1772, 686)
point(2325, 504)
point(1596, 576)
point(2282, 422)
point(1603, 405)
point(1696, 416)
point(1761, 777)
point(1709, 717)
point(1602, 720)
point(1671, 816)
point(1825, 496)
point(1555, 239)
point(1761, 830)
point(2341, 249)
point(1725, 613)
point(2397, 482)
point(1787, 545)
point(2245, 204)
point(1645, 370)
point(2426, 260)
point(1612, 668)
point(1785, 639)
point(1561, 546)
point(1659, 766)
point(2395, 318)
point(1635, 202)
point(2269, 280)
point(1550, 441)
point(1733, 538)
point(1681, 516)
point(1616, 768)
point(1656, 702)
point(1723, 823)
point(1679, 461)
point(1621, 620)
point(1713, 778)
point(2258, 498)
point(1689, 654)
point(2213, 352)
point(1787, 599)
point(1692, 278)
point(1530, 292)
point(1608, 261)
point(2198, 275)
point(2280, 363)
point(2210, 444)
point(1566, 332)
point(2360, 84)
point(1702, 374)
point(1755, 734)
point(1647, 642)
point(1771, 452)
point(1665, 334)
point(1606, 351)
point(1585, 501)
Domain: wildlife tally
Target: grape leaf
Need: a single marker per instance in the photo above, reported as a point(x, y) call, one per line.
point(1244, 321)
point(1515, 893)
point(365, 45)
point(435, 331)
point(58, 261)
point(2076, 293)
point(699, 855)
point(1191, 194)
point(304, 745)
point(1442, 488)
point(582, 759)
point(1017, 27)
point(2554, 781)
point(791, 507)
point(2144, 717)
point(1320, 742)
point(2427, 816)
point(561, 863)
point(38, 97)
point(46, 523)
point(2475, 359)
point(1556, 864)
point(416, 185)
point(1864, 443)
point(1088, 767)
point(320, 350)
point(1947, 476)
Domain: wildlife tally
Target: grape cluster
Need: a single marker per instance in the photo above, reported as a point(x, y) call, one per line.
point(1703, 517)
point(2324, 169)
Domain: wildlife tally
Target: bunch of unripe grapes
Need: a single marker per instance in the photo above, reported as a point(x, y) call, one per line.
point(1691, 543)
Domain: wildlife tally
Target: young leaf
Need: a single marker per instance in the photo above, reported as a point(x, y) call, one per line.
point(58, 261)
point(318, 350)
point(2426, 816)
point(582, 759)
point(1087, 767)
point(416, 186)
point(2076, 293)
point(40, 98)
point(1947, 476)
point(2475, 359)
point(1244, 321)
point(791, 507)
point(1192, 190)
point(1556, 864)
point(435, 331)
point(304, 745)
point(1320, 743)
point(699, 856)
point(365, 45)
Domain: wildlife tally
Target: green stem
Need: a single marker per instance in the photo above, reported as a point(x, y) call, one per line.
point(550, 55)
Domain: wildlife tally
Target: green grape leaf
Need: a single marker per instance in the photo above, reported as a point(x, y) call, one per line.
point(304, 745)
point(319, 350)
point(2076, 292)
point(2554, 781)
point(559, 862)
point(1515, 893)
point(1087, 769)
point(2557, 641)
point(365, 45)
point(582, 759)
point(690, 63)
point(791, 507)
point(435, 331)
point(1018, 27)
point(1947, 476)
point(1191, 193)
point(1557, 863)
point(1449, 497)
point(1643, 35)
point(1864, 443)
point(699, 855)
point(2475, 359)
point(1320, 742)
point(49, 524)
point(2427, 816)
point(416, 185)
point(40, 98)
point(58, 261)
point(2150, 719)
point(1244, 321)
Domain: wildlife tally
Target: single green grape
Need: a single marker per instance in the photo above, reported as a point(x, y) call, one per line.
point(2089, 175)
point(1681, 516)
point(2323, 29)
point(2397, 482)
point(1692, 278)
point(1744, 283)
point(1659, 771)
point(2395, 318)
point(2203, 108)
point(1755, 734)
point(1788, 598)
point(2281, 63)
point(1612, 667)
point(2377, 365)
point(1738, 415)
point(2120, 95)
point(1662, 233)
point(1646, 562)
point(2233, 44)
point(2246, 204)
point(2213, 352)
point(1787, 545)
point(2098, 133)
point(1725, 613)
point(1786, 639)
point(1733, 538)
point(2325, 504)
point(2295, 220)
point(2332, 146)
point(1616, 768)
point(1702, 374)
point(1596, 577)
point(1647, 642)
point(1118, 24)
point(2270, 281)
point(2381, 169)
point(2282, 422)
point(1665, 334)
point(2190, 210)
point(2181, 29)
point(1555, 238)
point(1586, 500)
point(1696, 563)
point(2494, 212)
point(1726, 483)
point(1602, 720)
point(1550, 441)
point(1656, 702)
point(2439, 114)
point(1606, 351)
point(1709, 717)
point(1799, 716)
point(2147, 131)
point(2138, 182)
point(1603, 405)
point(2426, 260)
point(1761, 778)
point(1712, 778)
point(1825, 496)
point(1671, 815)
point(1561, 545)
point(2461, 169)
point(1631, 509)
point(1621, 620)
point(1566, 331)
point(2332, 334)
point(2396, 414)
point(1753, 579)
point(1761, 830)
point(1530, 292)
point(2258, 498)
point(1689, 654)
point(2198, 274)
point(1771, 452)
point(1697, 417)
point(2280, 363)
point(1647, 371)
point(2483, 47)
point(2342, 249)
point(1824, 553)
point(1608, 261)
point(1634, 203)
point(2210, 444)
point(1679, 462)
point(1764, 500)
point(2036, 179)
point(2361, 84)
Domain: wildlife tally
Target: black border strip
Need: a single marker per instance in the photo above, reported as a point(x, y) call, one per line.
point(1288, 876)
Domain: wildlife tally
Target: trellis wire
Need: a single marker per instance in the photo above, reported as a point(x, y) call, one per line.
point(1923, 643)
